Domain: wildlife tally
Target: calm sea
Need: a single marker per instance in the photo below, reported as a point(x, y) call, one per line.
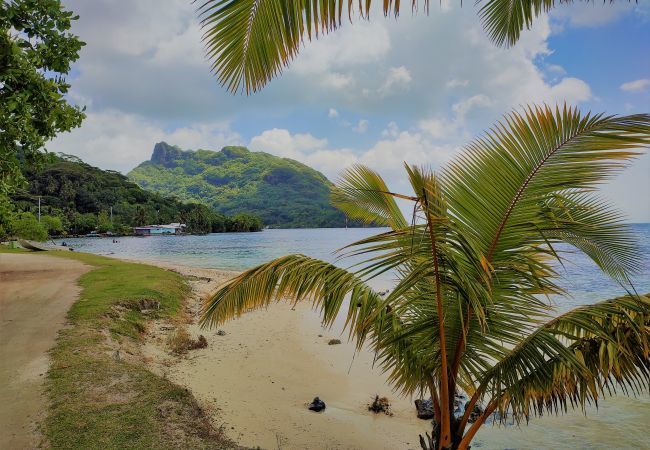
point(239, 251)
point(620, 422)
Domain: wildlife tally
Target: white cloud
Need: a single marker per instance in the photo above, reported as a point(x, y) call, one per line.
point(332, 113)
point(636, 85)
point(556, 68)
point(304, 148)
point(454, 127)
point(282, 143)
point(332, 58)
point(337, 80)
point(361, 127)
point(592, 14)
point(439, 128)
point(386, 156)
point(391, 130)
point(463, 107)
point(398, 78)
point(118, 141)
point(454, 83)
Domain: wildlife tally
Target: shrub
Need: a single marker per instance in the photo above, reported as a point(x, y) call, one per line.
point(27, 226)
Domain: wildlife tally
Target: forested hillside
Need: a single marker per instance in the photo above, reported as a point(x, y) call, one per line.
point(281, 191)
point(77, 198)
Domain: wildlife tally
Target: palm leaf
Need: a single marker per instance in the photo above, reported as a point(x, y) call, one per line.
point(250, 41)
point(363, 195)
point(293, 277)
point(574, 358)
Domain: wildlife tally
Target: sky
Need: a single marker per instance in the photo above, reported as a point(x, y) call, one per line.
point(378, 92)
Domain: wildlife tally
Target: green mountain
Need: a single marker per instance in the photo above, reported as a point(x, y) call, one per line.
point(281, 191)
point(77, 198)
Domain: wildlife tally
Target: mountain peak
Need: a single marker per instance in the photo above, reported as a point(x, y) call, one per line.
point(165, 154)
point(283, 192)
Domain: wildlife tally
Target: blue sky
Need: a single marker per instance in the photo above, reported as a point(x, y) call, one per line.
point(378, 92)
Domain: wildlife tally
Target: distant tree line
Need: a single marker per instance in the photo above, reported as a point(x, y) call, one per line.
point(77, 198)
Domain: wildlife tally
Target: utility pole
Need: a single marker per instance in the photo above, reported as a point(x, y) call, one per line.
point(111, 214)
point(39, 208)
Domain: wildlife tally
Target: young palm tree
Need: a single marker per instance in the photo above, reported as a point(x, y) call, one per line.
point(473, 267)
point(250, 41)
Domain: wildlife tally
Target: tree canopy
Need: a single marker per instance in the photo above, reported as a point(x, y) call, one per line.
point(36, 53)
point(77, 198)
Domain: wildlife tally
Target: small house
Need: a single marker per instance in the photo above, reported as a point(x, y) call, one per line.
point(152, 230)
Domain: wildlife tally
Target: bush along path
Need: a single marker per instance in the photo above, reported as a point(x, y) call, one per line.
point(101, 395)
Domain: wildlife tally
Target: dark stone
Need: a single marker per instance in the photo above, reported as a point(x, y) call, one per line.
point(317, 405)
point(334, 342)
point(475, 414)
point(425, 409)
point(221, 333)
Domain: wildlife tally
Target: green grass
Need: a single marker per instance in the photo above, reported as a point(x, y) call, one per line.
point(100, 402)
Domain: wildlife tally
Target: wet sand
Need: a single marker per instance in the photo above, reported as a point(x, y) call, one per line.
point(36, 292)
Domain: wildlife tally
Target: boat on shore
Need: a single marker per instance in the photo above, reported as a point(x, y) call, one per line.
point(41, 246)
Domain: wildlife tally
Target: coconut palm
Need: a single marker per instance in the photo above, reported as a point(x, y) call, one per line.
point(473, 269)
point(250, 41)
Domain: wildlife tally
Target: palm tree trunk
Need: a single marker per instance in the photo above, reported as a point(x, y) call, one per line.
point(467, 439)
point(445, 428)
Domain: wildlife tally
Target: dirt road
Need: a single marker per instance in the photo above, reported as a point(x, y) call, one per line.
point(36, 291)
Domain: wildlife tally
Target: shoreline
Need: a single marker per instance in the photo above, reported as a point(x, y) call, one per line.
point(256, 381)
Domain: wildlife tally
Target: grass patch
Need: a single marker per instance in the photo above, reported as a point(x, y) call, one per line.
point(101, 395)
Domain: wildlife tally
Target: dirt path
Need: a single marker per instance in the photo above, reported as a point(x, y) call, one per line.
point(36, 292)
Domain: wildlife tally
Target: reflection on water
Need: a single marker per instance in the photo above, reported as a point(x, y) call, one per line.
point(620, 422)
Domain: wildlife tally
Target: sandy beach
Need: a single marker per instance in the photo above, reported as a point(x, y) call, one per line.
point(258, 378)
point(37, 291)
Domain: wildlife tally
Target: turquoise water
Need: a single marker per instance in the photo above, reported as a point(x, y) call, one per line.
point(620, 422)
point(239, 251)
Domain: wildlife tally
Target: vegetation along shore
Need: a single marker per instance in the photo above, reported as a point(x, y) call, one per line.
point(98, 391)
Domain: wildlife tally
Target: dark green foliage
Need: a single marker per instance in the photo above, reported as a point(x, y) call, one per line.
point(281, 191)
point(36, 52)
point(26, 226)
point(77, 198)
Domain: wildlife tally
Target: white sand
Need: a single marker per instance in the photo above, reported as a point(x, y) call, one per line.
point(259, 377)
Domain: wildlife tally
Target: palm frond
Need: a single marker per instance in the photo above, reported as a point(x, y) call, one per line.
point(297, 278)
point(498, 186)
point(574, 359)
point(250, 41)
point(362, 194)
point(504, 20)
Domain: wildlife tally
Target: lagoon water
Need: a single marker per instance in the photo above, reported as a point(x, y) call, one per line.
point(620, 422)
point(239, 251)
